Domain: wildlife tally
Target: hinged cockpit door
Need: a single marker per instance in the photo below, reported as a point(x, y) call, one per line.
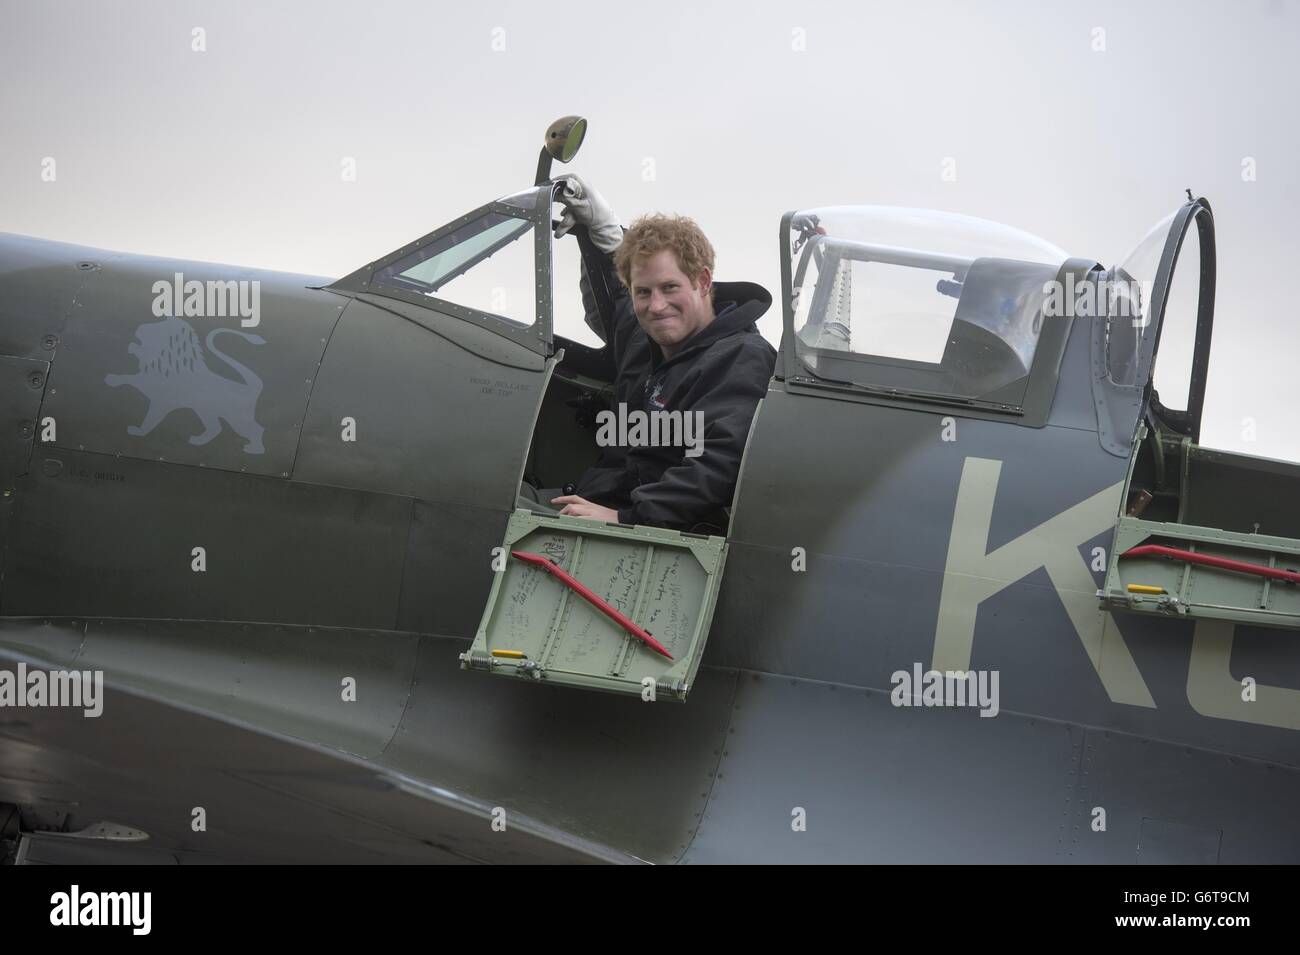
point(574, 601)
point(1206, 534)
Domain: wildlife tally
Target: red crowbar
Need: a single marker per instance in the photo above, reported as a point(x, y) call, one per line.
point(1191, 557)
point(564, 577)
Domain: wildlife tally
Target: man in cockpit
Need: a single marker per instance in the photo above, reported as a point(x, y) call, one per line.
point(682, 343)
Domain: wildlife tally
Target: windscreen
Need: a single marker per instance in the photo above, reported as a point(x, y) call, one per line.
point(487, 264)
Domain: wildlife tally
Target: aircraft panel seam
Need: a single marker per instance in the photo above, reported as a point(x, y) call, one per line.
point(722, 748)
point(1039, 717)
point(320, 363)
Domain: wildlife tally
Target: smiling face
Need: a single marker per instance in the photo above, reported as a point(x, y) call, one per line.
point(667, 305)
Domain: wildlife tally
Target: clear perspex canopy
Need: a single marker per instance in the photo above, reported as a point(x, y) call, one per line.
point(917, 300)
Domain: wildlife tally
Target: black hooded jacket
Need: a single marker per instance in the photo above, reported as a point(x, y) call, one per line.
point(722, 371)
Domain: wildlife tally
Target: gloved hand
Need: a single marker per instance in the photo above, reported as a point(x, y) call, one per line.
point(583, 205)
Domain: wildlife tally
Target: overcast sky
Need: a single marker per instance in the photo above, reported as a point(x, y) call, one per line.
point(1081, 123)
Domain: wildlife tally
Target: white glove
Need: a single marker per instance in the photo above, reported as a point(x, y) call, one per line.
point(583, 205)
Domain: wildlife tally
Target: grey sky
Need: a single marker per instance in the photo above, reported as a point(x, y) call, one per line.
point(234, 154)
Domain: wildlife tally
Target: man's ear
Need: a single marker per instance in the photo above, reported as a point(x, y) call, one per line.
point(704, 281)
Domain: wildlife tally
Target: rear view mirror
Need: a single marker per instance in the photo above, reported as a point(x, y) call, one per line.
point(563, 138)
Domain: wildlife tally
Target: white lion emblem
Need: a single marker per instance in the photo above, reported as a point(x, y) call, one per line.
point(173, 375)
